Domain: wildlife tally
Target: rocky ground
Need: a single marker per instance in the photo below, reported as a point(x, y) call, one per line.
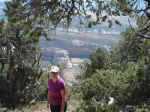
point(70, 74)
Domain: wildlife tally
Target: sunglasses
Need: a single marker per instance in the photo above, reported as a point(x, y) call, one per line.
point(54, 73)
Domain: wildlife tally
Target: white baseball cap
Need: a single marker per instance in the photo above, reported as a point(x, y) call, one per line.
point(54, 69)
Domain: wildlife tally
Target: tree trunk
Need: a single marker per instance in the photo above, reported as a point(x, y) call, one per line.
point(11, 78)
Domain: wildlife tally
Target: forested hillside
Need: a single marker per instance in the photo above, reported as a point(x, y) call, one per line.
point(122, 75)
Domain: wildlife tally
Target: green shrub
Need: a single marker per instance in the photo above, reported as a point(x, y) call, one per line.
point(98, 61)
point(42, 88)
point(143, 108)
point(121, 85)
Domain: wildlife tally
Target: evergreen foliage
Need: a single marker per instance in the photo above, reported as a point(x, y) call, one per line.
point(19, 45)
point(124, 76)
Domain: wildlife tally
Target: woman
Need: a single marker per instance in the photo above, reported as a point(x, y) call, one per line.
point(56, 92)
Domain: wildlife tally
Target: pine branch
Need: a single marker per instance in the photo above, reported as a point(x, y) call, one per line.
point(137, 33)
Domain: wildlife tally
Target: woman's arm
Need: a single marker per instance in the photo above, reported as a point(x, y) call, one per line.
point(63, 100)
point(48, 96)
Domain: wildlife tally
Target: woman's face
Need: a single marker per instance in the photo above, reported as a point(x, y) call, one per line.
point(54, 73)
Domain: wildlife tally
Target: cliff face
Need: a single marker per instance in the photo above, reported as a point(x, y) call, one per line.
point(78, 44)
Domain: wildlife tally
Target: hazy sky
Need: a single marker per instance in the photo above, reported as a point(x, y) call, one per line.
point(4, 0)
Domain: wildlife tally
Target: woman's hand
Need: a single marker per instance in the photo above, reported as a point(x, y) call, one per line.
point(63, 100)
point(61, 110)
point(48, 107)
point(48, 110)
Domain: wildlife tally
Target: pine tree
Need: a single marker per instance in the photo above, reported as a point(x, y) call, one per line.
point(20, 52)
